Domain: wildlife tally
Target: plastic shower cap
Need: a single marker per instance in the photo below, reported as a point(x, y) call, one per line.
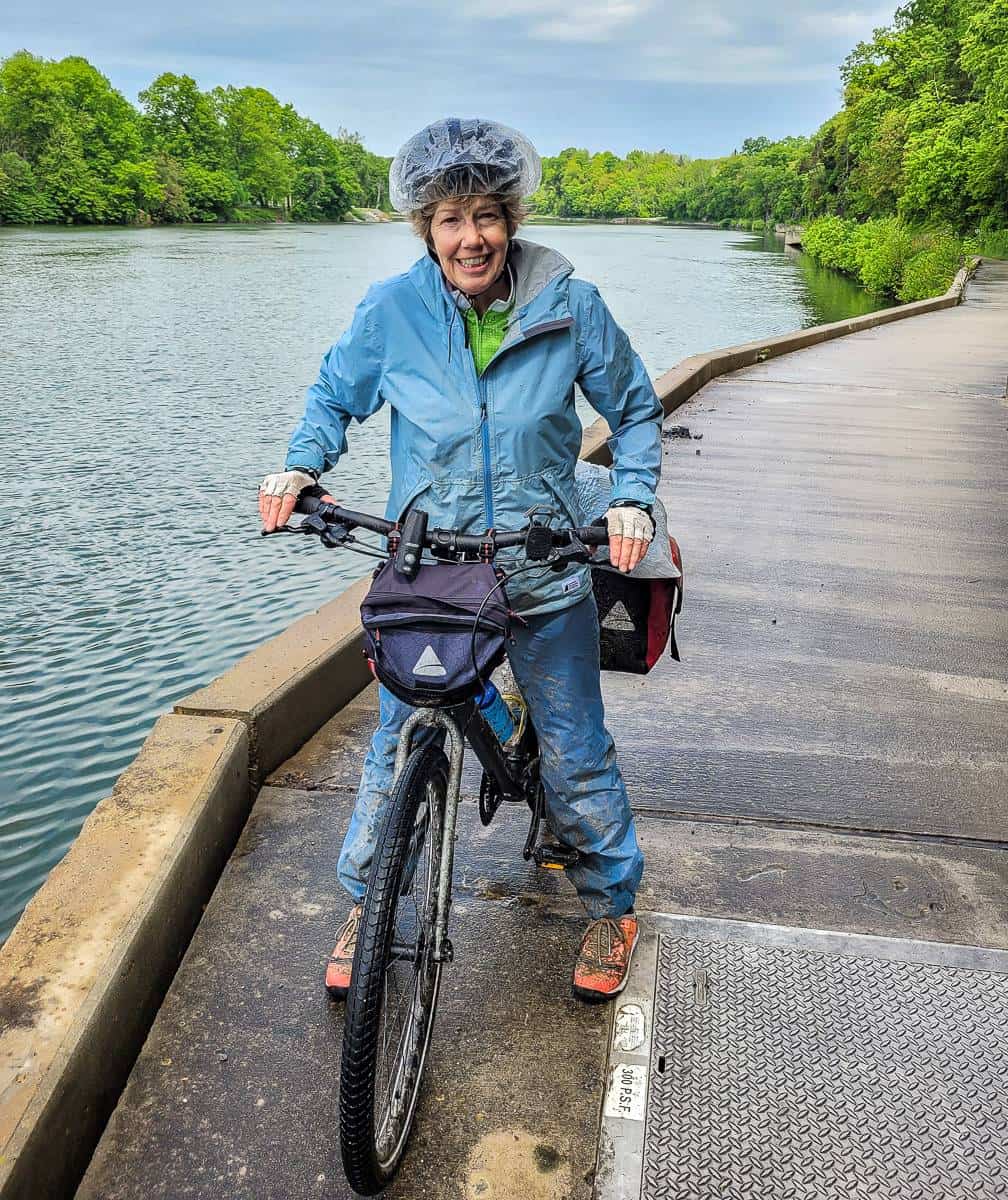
point(462, 156)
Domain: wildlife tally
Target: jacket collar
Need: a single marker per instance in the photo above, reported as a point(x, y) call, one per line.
point(538, 273)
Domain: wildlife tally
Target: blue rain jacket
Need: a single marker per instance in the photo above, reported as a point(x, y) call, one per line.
point(479, 451)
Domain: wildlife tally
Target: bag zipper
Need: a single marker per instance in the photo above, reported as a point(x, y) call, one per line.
point(447, 619)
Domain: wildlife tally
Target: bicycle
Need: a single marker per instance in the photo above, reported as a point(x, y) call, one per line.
point(403, 941)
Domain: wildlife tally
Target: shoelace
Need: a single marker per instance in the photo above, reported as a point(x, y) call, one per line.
point(350, 930)
point(614, 938)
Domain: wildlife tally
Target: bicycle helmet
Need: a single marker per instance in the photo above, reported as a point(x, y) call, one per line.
point(462, 156)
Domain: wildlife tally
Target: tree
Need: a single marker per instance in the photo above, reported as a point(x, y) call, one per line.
point(180, 121)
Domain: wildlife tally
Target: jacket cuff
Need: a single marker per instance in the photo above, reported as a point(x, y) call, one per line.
point(632, 504)
point(314, 472)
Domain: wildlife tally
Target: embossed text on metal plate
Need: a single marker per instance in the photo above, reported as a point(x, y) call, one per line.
point(627, 1092)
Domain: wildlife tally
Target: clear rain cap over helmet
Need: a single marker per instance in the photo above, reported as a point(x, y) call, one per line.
point(462, 156)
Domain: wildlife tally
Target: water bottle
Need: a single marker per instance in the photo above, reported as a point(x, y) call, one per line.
point(496, 713)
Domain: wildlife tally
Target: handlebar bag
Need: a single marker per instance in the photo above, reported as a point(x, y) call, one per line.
point(418, 632)
point(636, 616)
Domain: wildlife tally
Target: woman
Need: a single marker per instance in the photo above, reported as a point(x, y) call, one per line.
point(477, 349)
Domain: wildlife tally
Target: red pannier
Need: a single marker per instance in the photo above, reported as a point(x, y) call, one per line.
point(637, 616)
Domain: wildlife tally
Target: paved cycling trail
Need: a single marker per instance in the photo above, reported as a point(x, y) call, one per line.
point(830, 755)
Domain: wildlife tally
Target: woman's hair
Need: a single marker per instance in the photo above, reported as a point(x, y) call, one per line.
point(511, 205)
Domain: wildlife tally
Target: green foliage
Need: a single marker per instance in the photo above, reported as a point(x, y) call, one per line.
point(922, 135)
point(924, 128)
point(930, 269)
point(993, 243)
point(20, 198)
point(884, 249)
point(921, 140)
point(830, 241)
point(181, 122)
point(73, 149)
point(889, 257)
point(761, 184)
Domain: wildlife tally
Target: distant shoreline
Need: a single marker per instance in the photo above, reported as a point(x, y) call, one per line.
point(379, 217)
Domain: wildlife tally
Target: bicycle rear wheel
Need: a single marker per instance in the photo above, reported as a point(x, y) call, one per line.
point(395, 980)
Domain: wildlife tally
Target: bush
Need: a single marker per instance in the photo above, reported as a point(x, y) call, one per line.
point(886, 248)
point(931, 270)
point(992, 243)
point(831, 242)
point(888, 257)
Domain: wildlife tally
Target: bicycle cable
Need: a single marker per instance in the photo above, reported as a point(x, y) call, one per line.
point(505, 578)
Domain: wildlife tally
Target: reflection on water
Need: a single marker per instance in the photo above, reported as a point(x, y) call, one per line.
point(150, 377)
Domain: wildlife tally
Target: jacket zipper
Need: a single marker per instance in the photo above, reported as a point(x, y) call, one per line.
point(543, 327)
point(488, 513)
point(487, 485)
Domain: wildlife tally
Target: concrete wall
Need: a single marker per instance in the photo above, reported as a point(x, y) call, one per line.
point(86, 967)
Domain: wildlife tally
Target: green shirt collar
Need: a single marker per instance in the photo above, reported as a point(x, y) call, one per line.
point(500, 306)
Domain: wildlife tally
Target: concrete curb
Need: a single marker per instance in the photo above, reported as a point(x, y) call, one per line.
point(83, 973)
point(288, 687)
point(85, 970)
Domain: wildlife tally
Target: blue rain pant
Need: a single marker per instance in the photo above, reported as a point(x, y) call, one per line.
point(555, 660)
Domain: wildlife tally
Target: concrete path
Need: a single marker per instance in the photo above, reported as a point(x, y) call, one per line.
point(832, 754)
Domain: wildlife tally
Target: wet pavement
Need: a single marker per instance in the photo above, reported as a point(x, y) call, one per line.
point(830, 755)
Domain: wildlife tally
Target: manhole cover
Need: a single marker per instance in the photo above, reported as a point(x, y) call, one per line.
point(794, 1074)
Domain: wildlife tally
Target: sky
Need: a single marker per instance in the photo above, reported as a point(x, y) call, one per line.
point(603, 74)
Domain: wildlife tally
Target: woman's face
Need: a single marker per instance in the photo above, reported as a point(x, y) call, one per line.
point(470, 240)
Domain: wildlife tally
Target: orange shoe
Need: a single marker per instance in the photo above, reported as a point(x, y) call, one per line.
point(603, 966)
point(337, 976)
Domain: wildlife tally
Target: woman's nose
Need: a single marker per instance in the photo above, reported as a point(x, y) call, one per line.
point(471, 235)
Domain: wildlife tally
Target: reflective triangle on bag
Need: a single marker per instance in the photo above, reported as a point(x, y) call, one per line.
point(618, 618)
point(428, 664)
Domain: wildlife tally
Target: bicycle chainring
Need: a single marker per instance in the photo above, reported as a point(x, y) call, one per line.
point(489, 799)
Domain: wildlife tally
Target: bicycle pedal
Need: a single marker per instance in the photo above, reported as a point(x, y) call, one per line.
point(555, 857)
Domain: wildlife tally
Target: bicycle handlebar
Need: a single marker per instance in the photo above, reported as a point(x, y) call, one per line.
point(446, 539)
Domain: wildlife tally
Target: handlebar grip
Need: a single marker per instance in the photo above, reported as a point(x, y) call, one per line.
point(594, 535)
point(309, 499)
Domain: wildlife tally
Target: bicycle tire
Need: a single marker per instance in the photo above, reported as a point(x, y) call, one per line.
point(372, 1141)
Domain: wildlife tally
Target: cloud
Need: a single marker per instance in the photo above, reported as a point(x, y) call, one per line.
point(561, 21)
point(713, 24)
point(852, 24)
point(616, 73)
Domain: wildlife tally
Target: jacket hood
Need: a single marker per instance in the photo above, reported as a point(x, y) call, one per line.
point(537, 270)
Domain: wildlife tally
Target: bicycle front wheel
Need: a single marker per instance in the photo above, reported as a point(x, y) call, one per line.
point(395, 979)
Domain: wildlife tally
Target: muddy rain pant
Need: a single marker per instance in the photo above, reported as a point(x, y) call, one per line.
point(555, 660)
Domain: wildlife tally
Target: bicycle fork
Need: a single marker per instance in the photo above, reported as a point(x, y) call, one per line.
point(432, 718)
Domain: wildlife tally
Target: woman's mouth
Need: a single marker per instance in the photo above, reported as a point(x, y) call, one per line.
point(474, 264)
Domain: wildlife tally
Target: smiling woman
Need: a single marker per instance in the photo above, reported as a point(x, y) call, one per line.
point(470, 236)
point(484, 430)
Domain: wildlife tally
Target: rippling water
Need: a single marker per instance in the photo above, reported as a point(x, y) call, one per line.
point(148, 379)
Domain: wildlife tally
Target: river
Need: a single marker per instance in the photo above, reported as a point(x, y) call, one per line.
point(149, 377)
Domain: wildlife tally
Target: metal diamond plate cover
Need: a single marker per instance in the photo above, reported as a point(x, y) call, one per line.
point(779, 1073)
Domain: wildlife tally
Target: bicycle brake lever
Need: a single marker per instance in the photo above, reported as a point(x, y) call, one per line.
point(331, 533)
